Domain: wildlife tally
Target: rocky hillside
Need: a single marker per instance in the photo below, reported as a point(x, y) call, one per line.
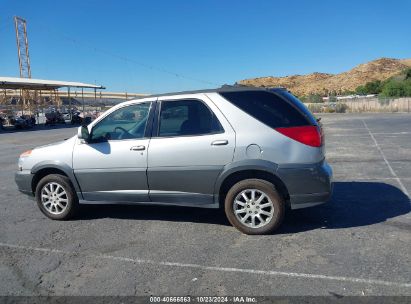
point(321, 83)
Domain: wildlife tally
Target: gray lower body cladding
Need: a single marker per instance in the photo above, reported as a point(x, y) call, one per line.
point(308, 185)
point(185, 184)
point(23, 180)
point(118, 184)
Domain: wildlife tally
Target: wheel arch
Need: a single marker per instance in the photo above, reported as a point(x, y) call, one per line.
point(236, 172)
point(46, 168)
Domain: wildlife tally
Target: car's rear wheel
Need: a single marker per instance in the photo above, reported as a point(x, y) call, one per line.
point(254, 206)
point(56, 197)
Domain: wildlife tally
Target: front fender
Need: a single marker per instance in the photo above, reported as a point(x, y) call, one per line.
point(55, 164)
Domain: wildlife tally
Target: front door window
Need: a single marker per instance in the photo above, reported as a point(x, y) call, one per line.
point(128, 122)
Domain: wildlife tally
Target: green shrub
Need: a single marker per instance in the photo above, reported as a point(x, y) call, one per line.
point(361, 90)
point(394, 88)
point(372, 87)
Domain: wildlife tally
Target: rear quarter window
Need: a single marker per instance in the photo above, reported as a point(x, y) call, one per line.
point(299, 105)
point(269, 108)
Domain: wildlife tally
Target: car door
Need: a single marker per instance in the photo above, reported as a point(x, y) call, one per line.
point(191, 143)
point(112, 165)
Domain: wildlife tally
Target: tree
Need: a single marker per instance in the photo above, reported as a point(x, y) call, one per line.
point(361, 90)
point(372, 87)
point(394, 88)
point(408, 87)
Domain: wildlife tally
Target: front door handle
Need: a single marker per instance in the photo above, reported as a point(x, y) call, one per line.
point(137, 148)
point(220, 142)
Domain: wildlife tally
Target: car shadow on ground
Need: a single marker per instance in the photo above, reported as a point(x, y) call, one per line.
point(154, 213)
point(353, 204)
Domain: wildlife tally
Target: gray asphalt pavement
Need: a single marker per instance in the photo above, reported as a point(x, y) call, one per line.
point(358, 244)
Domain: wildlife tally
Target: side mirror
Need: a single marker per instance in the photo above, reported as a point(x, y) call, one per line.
point(82, 133)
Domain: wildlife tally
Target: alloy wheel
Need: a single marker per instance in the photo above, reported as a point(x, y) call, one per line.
point(54, 198)
point(253, 208)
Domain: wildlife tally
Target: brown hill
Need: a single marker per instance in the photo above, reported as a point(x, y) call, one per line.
point(322, 83)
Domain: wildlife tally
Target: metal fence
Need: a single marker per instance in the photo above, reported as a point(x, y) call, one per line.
point(358, 105)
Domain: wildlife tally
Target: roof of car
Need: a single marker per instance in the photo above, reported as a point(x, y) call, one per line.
point(225, 88)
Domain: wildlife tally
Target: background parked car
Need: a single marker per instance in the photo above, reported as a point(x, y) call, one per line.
point(53, 118)
point(2, 122)
point(76, 118)
point(24, 122)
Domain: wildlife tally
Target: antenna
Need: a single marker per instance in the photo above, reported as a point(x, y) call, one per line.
point(22, 47)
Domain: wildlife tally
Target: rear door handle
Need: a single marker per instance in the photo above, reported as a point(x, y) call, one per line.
point(220, 142)
point(137, 148)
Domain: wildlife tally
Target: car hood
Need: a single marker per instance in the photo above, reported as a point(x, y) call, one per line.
point(57, 143)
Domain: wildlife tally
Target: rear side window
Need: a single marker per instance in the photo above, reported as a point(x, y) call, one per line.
point(298, 104)
point(267, 107)
point(187, 117)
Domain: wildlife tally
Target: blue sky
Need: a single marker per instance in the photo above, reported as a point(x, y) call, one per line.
point(139, 46)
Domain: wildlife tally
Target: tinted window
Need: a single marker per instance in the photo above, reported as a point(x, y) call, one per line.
point(125, 123)
point(187, 117)
point(267, 107)
point(298, 104)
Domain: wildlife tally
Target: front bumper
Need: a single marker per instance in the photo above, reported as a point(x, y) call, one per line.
point(23, 180)
point(308, 185)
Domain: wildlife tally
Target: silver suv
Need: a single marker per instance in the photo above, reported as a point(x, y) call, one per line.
point(253, 152)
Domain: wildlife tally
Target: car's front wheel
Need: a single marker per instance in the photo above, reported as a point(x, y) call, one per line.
point(56, 197)
point(254, 206)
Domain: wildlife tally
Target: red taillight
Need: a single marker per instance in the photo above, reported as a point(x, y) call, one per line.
point(308, 135)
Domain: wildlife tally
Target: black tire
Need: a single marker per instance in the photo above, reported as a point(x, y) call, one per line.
point(72, 204)
point(271, 194)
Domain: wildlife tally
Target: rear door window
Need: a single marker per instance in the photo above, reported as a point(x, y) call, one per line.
point(269, 108)
point(187, 117)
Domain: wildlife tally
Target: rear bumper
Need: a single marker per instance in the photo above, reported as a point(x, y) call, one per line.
point(308, 185)
point(23, 180)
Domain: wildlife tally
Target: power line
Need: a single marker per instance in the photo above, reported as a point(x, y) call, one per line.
point(129, 60)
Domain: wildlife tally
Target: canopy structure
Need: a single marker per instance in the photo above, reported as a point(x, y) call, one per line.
point(33, 92)
point(15, 83)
